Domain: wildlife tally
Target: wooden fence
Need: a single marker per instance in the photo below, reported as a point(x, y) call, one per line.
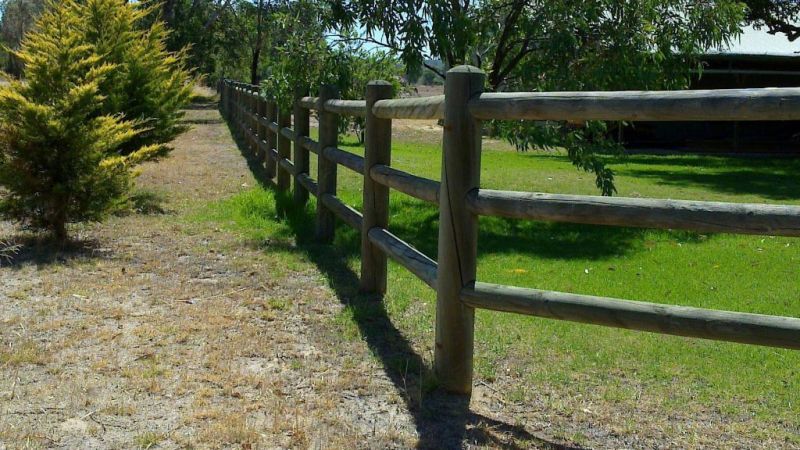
point(461, 200)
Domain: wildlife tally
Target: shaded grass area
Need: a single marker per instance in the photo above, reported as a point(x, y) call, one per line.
point(271, 222)
point(558, 364)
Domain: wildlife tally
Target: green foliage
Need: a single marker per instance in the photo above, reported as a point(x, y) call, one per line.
point(354, 68)
point(554, 45)
point(777, 16)
point(301, 58)
point(72, 132)
point(298, 56)
point(150, 84)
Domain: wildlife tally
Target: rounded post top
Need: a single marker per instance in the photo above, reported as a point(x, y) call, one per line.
point(379, 83)
point(466, 69)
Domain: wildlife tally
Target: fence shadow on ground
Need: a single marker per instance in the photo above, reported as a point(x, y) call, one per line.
point(441, 420)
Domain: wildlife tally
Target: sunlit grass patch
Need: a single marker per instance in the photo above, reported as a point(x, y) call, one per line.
point(608, 368)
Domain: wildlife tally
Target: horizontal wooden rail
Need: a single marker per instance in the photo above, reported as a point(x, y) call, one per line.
point(740, 218)
point(696, 105)
point(346, 159)
point(412, 259)
point(288, 133)
point(308, 183)
point(348, 214)
point(357, 108)
point(666, 319)
point(410, 108)
point(462, 200)
point(310, 144)
point(309, 102)
point(417, 187)
point(287, 165)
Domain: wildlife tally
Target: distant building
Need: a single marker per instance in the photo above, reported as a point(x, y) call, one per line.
point(728, 71)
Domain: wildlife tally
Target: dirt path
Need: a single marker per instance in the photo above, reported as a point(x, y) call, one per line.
point(159, 331)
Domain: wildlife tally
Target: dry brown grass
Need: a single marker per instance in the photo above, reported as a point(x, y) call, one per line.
point(159, 331)
point(163, 332)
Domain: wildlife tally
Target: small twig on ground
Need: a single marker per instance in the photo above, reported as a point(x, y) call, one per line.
point(216, 296)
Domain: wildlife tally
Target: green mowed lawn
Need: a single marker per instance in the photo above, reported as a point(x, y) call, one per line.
point(609, 368)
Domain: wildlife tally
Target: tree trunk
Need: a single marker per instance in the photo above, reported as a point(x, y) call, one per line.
point(254, 78)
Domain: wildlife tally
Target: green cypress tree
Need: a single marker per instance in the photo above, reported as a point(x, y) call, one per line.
point(65, 146)
point(150, 85)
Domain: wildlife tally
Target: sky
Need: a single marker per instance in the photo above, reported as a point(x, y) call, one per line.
point(761, 42)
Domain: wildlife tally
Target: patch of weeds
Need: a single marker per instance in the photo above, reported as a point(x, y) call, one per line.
point(233, 429)
point(148, 440)
point(119, 410)
point(279, 304)
point(151, 369)
point(486, 368)
point(25, 353)
point(346, 324)
point(8, 250)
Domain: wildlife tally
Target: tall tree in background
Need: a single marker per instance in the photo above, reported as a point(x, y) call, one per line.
point(777, 16)
point(18, 17)
point(552, 45)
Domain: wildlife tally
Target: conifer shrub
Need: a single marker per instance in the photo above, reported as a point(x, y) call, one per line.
point(100, 96)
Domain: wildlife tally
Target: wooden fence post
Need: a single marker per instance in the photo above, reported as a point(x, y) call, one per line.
point(326, 169)
point(240, 101)
point(301, 129)
point(228, 100)
point(238, 126)
point(272, 163)
point(222, 94)
point(251, 128)
point(284, 148)
point(458, 230)
point(377, 150)
point(261, 154)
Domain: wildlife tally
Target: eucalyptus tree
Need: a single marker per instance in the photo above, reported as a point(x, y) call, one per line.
point(777, 16)
point(552, 45)
point(16, 18)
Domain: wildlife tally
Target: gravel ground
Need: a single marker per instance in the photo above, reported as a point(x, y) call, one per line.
point(157, 331)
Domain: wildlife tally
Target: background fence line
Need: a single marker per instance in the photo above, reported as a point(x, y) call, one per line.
point(271, 137)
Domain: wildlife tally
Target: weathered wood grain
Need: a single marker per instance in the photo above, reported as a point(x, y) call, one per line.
point(458, 231)
point(286, 166)
point(309, 102)
point(308, 183)
point(356, 108)
point(377, 151)
point(326, 169)
point(343, 211)
point(410, 108)
point(272, 139)
point(310, 144)
point(284, 148)
point(351, 161)
point(740, 218)
point(412, 259)
point(417, 187)
point(301, 159)
point(657, 318)
point(694, 105)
